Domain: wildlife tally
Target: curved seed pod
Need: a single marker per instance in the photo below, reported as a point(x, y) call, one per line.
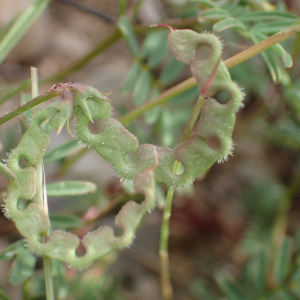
point(113, 144)
point(217, 120)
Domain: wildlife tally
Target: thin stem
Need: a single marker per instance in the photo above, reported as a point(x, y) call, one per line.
point(166, 285)
point(28, 105)
point(41, 194)
point(231, 62)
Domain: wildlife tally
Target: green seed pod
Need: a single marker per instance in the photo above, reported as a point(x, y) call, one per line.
point(114, 143)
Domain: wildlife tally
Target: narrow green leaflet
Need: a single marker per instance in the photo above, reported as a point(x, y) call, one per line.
point(279, 50)
point(282, 261)
point(142, 87)
point(21, 26)
point(65, 222)
point(70, 188)
point(171, 71)
point(22, 267)
point(61, 151)
point(126, 29)
point(131, 78)
point(155, 47)
point(269, 59)
point(215, 13)
point(7, 172)
point(271, 27)
point(255, 16)
point(228, 23)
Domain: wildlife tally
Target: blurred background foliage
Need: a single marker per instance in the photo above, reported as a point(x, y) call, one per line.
point(235, 233)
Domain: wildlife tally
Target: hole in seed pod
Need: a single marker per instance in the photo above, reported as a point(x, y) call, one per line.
point(213, 142)
point(22, 204)
point(180, 168)
point(203, 52)
point(96, 127)
point(80, 250)
point(222, 96)
point(24, 163)
point(132, 159)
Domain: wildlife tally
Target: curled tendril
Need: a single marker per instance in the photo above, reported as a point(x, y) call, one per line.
point(114, 143)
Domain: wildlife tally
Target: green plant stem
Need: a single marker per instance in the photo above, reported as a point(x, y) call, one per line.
point(231, 62)
point(166, 285)
point(28, 105)
point(41, 194)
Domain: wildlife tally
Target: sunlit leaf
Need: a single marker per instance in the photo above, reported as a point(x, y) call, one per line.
point(61, 151)
point(126, 29)
point(65, 222)
point(70, 188)
point(228, 23)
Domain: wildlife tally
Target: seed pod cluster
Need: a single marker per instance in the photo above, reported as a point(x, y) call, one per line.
point(113, 144)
